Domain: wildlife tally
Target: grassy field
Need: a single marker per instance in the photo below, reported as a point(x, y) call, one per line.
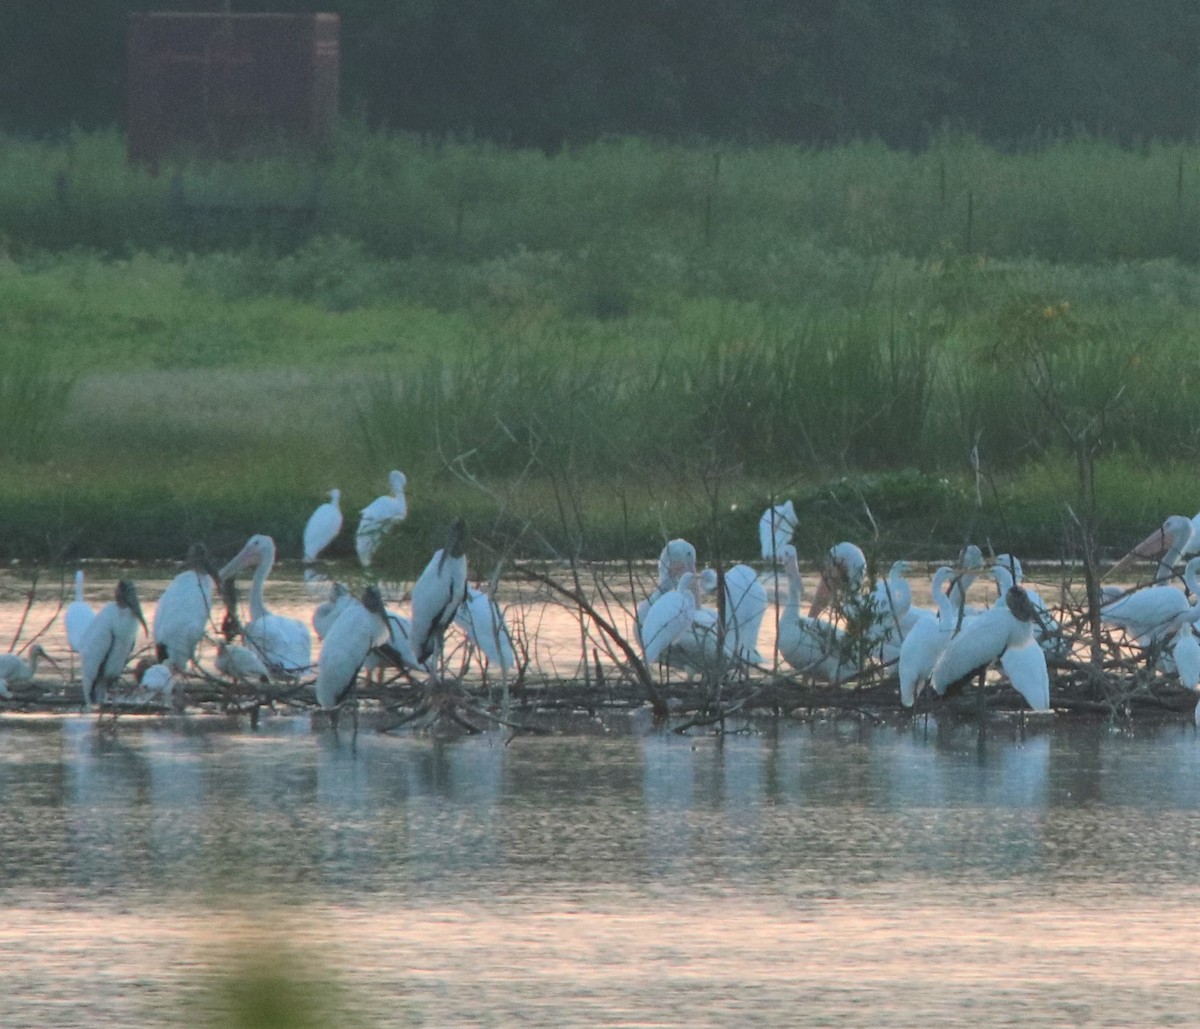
point(593, 351)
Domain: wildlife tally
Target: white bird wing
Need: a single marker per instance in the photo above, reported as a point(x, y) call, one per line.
point(1186, 651)
point(346, 647)
point(981, 642)
point(321, 530)
point(98, 643)
point(483, 622)
point(1146, 613)
point(78, 617)
point(918, 654)
point(669, 617)
point(745, 606)
point(282, 643)
point(181, 615)
point(1026, 669)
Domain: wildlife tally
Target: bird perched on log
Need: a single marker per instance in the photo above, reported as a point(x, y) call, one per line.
point(109, 641)
point(360, 629)
point(438, 593)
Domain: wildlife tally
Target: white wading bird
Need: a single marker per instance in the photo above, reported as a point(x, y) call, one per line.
point(437, 594)
point(327, 611)
point(17, 669)
point(676, 558)
point(808, 644)
point(1003, 632)
point(669, 618)
point(745, 605)
point(1150, 614)
point(283, 643)
point(154, 677)
point(1164, 545)
point(378, 517)
point(181, 616)
point(775, 530)
point(109, 642)
point(481, 619)
point(241, 664)
point(926, 639)
point(78, 616)
point(359, 629)
point(400, 640)
point(322, 526)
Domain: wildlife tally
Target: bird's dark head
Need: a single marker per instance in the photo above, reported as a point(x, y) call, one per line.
point(1020, 605)
point(373, 601)
point(456, 538)
point(127, 597)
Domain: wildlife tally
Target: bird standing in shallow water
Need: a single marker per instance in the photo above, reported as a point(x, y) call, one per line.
point(437, 595)
point(109, 642)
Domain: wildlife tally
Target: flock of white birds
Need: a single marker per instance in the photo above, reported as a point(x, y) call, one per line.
point(870, 623)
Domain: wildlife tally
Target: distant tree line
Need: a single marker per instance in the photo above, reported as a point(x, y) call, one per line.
point(550, 72)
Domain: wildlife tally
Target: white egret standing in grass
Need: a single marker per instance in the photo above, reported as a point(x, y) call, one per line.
point(322, 526)
point(181, 616)
point(360, 628)
point(78, 616)
point(378, 517)
point(284, 644)
point(18, 669)
point(437, 594)
point(1004, 632)
point(775, 530)
point(109, 642)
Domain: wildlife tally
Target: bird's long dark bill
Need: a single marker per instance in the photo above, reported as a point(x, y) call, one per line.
point(136, 608)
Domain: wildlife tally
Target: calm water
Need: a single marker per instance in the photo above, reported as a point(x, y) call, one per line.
point(836, 873)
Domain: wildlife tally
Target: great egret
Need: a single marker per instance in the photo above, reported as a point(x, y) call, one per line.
point(322, 526)
point(284, 644)
point(359, 629)
point(378, 517)
point(109, 642)
point(182, 613)
point(241, 664)
point(438, 592)
point(480, 617)
point(775, 530)
point(17, 669)
point(926, 639)
point(327, 611)
point(810, 645)
point(1003, 632)
point(78, 616)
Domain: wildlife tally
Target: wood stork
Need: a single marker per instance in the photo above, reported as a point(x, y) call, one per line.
point(327, 611)
point(284, 644)
point(17, 669)
point(78, 616)
point(1004, 632)
point(109, 642)
point(359, 629)
point(926, 639)
point(182, 614)
point(378, 517)
point(437, 594)
point(810, 645)
point(400, 640)
point(775, 529)
point(322, 526)
point(1007, 572)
